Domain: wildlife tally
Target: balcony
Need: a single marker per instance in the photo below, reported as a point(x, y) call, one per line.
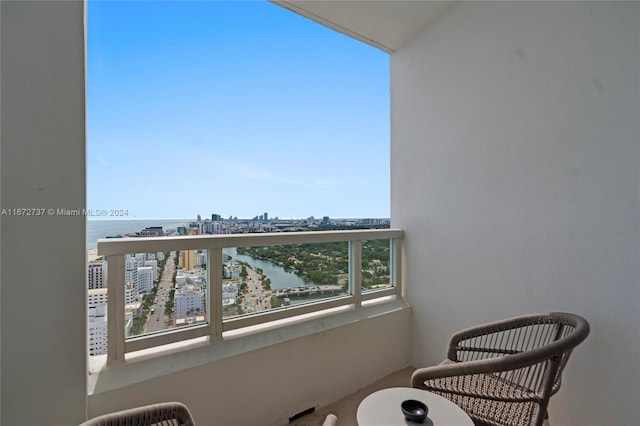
point(346, 302)
point(514, 177)
point(287, 345)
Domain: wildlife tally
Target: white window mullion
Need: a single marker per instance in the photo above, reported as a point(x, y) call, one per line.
point(395, 264)
point(355, 271)
point(214, 287)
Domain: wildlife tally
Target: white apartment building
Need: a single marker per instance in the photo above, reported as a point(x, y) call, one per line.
point(229, 294)
point(145, 279)
point(140, 258)
point(130, 292)
point(97, 297)
point(212, 227)
point(97, 275)
point(232, 270)
point(199, 259)
point(131, 270)
point(154, 265)
point(181, 279)
point(97, 330)
point(188, 298)
point(97, 321)
point(196, 277)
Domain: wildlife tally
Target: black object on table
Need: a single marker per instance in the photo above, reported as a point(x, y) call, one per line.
point(414, 411)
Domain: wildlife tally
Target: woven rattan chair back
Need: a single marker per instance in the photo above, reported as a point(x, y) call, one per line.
point(162, 414)
point(504, 373)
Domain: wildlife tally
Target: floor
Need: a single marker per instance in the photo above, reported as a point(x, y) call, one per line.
point(345, 408)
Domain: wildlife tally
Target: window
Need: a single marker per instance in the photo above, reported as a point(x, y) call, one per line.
point(258, 118)
point(232, 109)
point(206, 308)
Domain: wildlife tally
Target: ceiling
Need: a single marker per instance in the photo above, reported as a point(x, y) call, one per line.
point(385, 24)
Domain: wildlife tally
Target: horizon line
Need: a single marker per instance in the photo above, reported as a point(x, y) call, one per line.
point(226, 219)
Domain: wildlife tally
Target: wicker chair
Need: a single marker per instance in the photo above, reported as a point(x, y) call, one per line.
point(162, 414)
point(504, 373)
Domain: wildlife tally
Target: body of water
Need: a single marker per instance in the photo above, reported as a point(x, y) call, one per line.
point(278, 276)
point(97, 229)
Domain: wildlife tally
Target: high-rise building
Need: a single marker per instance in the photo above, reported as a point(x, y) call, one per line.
point(145, 279)
point(130, 293)
point(266, 216)
point(212, 228)
point(187, 259)
point(154, 266)
point(140, 259)
point(131, 271)
point(97, 321)
point(97, 297)
point(97, 275)
point(199, 259)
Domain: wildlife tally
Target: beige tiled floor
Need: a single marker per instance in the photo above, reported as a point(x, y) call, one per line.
point(346, 407)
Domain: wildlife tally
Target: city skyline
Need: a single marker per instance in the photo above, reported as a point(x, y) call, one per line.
point(97, 229)
point(226, 217)
point(225, 106)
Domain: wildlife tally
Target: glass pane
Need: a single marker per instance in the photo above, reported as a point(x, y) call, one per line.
point(376, 262)
point(258, 279)
point(164, 291)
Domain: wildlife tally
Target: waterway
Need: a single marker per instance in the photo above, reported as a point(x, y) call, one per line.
point(279, 277)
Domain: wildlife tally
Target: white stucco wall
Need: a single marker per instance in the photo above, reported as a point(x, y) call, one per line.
point(515, 175)
point(266, 386)
point(43, 303)
point(43, 275)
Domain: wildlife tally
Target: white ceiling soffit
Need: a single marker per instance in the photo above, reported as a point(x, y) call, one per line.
point(385, 24)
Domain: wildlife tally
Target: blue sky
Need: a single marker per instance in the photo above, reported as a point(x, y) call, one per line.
point(235, 108)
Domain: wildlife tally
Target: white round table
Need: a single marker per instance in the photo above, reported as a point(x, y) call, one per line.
point(382, 408)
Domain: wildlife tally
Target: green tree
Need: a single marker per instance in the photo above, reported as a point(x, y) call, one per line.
point(168, 305)
point(266, 283)
point(137, 325)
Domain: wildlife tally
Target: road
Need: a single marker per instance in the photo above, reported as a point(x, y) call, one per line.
point(255, 299)
point(158, 320)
